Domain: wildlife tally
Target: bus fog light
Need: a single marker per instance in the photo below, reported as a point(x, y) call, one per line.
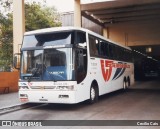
point(65, 87)
point(23, 96)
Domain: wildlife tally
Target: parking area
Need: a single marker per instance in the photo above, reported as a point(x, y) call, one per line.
point(139, 102)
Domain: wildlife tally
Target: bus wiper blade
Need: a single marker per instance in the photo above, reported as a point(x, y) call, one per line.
point(34, 71)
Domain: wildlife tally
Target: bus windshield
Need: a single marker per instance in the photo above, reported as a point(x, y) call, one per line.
point(48, 64)
point(48, 39)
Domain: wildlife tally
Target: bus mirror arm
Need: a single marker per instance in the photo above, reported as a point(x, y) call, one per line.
point(16, 61)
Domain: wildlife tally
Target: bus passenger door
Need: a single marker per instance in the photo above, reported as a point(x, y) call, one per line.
point(81, 64)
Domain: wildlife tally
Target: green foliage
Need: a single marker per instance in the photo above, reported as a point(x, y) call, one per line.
point(36, 17)
point(6, 40)
point(6, 4)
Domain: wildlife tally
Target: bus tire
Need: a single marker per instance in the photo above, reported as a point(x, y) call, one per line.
point(128, 82)
point(125, 84)
point(93, 94)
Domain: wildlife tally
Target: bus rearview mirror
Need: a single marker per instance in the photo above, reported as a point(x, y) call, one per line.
point(16, 61)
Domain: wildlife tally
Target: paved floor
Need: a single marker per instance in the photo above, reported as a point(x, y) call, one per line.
point(12, 98)
point(9, 99)
point(140, 102)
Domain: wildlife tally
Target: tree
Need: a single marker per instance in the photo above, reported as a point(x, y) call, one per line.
point(6, 39)
point(36, 17)
point(6, 35)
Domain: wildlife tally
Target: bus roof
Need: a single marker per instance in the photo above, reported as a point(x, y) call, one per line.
point(56, 29)
point(53, 29)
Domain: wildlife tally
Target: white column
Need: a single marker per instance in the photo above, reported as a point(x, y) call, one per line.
point(18, 24)
point(77, 13)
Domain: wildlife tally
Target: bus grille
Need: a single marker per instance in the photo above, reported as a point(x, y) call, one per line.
point(42, 87)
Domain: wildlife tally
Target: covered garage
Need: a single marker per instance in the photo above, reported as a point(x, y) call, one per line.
point(133, 23)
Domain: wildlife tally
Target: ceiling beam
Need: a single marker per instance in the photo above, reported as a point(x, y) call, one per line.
point(129, 14)
point(115, 4)
point(126, 9)
point(132, 19)
point(95, 20)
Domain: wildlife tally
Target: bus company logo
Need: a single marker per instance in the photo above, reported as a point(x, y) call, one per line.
point(58, 72)
point(106, 69)
point(108, 65)
point(29, 84)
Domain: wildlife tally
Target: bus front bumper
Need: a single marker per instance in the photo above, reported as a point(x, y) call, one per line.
point(46, 96)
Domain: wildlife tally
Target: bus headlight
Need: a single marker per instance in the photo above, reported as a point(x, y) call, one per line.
point(65, 87)
point(23, 96)
point(23, 87)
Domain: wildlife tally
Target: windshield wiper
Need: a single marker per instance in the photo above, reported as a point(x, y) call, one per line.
point(34, 71)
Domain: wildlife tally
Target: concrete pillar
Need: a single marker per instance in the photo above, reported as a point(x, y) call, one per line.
point(77, 13)
point(105, 33)
point(18, 24)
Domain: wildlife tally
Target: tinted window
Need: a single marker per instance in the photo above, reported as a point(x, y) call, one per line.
point(104, 49)
point(111, 51)
point(81, 56)
point(58, 64)
point(81, 64)
point(58, 38)
point(81, 39)
point(93, 45)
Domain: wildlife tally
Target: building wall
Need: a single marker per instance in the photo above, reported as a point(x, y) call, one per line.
point(68, 20)
point(135, 33)
point(10, 80)
point(129, 33)
point(91, 26)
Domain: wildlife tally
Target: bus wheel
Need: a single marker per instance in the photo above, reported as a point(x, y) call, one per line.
point(125, 85)
point(93, 94)
point(128, 82)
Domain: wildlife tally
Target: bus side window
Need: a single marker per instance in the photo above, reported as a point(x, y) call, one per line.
point(117, 52)
point(104, 49)
point(97, 46)
point(111, 51)
point(121, 54)
point(81, 61)
point(81, 39)
point(81, 56)
point(93, 47)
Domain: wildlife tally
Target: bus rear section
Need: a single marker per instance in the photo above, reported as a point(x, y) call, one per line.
point(111, 63)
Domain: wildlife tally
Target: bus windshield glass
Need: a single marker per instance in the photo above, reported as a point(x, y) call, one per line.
point(31, 65)
point(48, 39)
point(58, 64)
point(48, 64)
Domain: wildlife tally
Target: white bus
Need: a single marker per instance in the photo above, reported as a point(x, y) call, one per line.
point(70, 65)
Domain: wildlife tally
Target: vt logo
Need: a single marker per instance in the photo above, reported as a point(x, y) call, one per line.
point(29, 84)
point(106, 67)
